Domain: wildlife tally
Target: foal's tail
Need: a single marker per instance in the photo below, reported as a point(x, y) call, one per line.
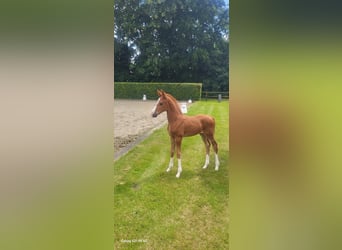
point(214, 124)
point(211, 137)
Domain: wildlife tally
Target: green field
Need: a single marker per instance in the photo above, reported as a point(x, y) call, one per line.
point(155, 210)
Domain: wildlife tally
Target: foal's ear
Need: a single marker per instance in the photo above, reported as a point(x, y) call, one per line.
point(160, 92)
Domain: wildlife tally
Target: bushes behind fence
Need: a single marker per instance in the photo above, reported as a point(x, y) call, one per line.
point(136, 90)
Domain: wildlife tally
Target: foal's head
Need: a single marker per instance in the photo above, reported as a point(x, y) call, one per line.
point(161, 105)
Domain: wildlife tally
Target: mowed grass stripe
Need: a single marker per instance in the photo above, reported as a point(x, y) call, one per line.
point(186, 213)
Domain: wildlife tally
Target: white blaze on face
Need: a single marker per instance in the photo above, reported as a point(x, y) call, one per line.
point(155, 107)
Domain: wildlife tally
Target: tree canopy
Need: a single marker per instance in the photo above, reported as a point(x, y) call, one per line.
point(172, 41)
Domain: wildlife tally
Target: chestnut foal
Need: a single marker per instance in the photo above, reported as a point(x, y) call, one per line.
point(180, 126)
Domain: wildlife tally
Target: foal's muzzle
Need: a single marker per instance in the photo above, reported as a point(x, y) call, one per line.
point(154, 114)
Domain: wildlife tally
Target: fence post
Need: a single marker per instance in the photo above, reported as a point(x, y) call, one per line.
point(219, 97)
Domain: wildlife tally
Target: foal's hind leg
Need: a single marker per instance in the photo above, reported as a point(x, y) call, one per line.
point(207, 149)
point(214, 143)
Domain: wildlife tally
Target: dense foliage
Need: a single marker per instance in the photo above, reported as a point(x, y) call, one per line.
point(172, 41)
point(136, 90)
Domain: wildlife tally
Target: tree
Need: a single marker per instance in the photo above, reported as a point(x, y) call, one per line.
point(174, 41)
point(122, 61)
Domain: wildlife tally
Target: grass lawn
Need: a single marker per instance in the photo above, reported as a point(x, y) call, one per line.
point(155, 210)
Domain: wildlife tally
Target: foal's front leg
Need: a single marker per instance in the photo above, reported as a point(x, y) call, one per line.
point(178, 141)
point(172, 152)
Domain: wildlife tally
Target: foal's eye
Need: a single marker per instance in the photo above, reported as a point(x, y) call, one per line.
point(161, 104)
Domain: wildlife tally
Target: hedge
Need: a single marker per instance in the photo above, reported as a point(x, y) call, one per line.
point(136, 90)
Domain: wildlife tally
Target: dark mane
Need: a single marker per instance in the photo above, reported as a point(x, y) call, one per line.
point(175, 102)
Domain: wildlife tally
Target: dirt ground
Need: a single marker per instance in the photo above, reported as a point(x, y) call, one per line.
point(132, 119)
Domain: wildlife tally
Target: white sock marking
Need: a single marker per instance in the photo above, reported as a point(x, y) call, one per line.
point(179, 168)
point(206, 161)
point(217, 162)
point(170, 165)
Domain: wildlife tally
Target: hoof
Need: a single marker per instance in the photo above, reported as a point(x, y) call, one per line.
point(205, 166)
point(216, 168)
point(168, 170)
point(177, 175)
